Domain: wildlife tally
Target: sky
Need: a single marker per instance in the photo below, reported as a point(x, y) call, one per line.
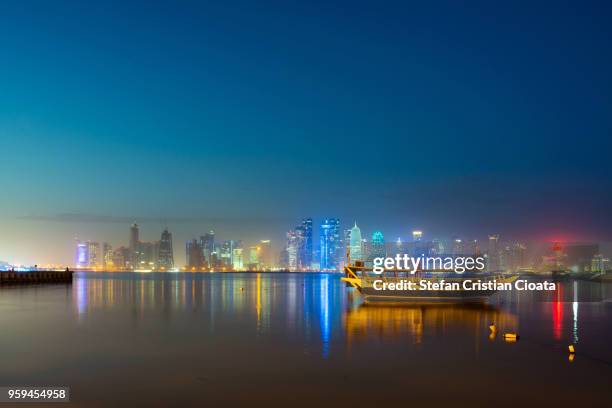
point(458, 118)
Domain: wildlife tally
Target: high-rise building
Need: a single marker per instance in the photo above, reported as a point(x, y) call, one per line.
point(165, 257)
point(195, 260)
point(226, 254)
point(95, 254)
point(493, 254)
point(121, 257)
point(513, 257)
point(417, 235)
point(330, 246)
point(474, 248)
point(599, 264)
point(82, 255)
point(355, 244)
point(207, 242)
point(237, 259)
point(265, 254)
point(437, 247)
point(305, 250)
point(397, 247)
point(252, 262)
point(107, 255)
point(147, 255)
point(378, 245)
point(134, 245)
point(458, 247)
point(293, 249)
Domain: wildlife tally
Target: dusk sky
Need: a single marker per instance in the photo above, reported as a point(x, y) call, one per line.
point(243, 117)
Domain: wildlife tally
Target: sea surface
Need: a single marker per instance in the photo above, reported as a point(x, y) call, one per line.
point(289, 339)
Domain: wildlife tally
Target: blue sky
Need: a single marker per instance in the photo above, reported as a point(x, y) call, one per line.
point(246, 116)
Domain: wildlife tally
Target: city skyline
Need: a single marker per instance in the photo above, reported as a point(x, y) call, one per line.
point(211, 252)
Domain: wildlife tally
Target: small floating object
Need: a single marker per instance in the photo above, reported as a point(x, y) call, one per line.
point(242, 289)
point(492, 328)
point(571, 349)
point(511, 337)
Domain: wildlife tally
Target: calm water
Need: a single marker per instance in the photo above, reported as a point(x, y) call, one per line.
point(299, 340)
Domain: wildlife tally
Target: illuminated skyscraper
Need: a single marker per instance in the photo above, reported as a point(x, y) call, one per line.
point(304, 231)
point(293, 249)
point(165, 257)
point(237, 259)
point(355, 243)
point(107, 255)
point(95, 254)
point(437, 247)
point(398, 247)
point(458, 246)
point(134, 245)
point(417, 235)
point(378, 245)
point(265, 254)
point(227, 253)
point(207, 242)
point(329, 234)
point(82, 255)
point(493, 254)
point(252, 263)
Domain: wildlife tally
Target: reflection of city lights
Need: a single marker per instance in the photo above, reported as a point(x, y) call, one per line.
point(575, 312)
point(324, 313)
point(557, 313)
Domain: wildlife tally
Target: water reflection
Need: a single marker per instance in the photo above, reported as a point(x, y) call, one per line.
point(317, 309)
point(310, 304)
point(201, 337)
point(417, 322)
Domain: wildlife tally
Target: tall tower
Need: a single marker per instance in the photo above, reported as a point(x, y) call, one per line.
point(293, 249)
point(165, 257)
point(207, 242)
point(329, 233)
point(378, 245)
point(95, 255)
point(134, 245)
point(194, 254)
point(355, 243)
point(134, 236)
point(82, 255)
point(493, 254)
point(306, 250)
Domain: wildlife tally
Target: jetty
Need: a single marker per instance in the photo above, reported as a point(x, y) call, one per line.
point(13, 277)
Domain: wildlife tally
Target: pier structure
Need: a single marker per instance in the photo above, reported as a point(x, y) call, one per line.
point(37, 276)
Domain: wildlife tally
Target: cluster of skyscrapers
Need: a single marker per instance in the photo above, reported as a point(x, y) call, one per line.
point(138, 255)
point(206, 254)
point(301, 252)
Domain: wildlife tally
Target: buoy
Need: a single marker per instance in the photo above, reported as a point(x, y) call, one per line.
point(511, 336)
point(571, 349)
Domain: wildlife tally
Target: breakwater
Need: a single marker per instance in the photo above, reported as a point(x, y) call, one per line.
point(33, 277)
